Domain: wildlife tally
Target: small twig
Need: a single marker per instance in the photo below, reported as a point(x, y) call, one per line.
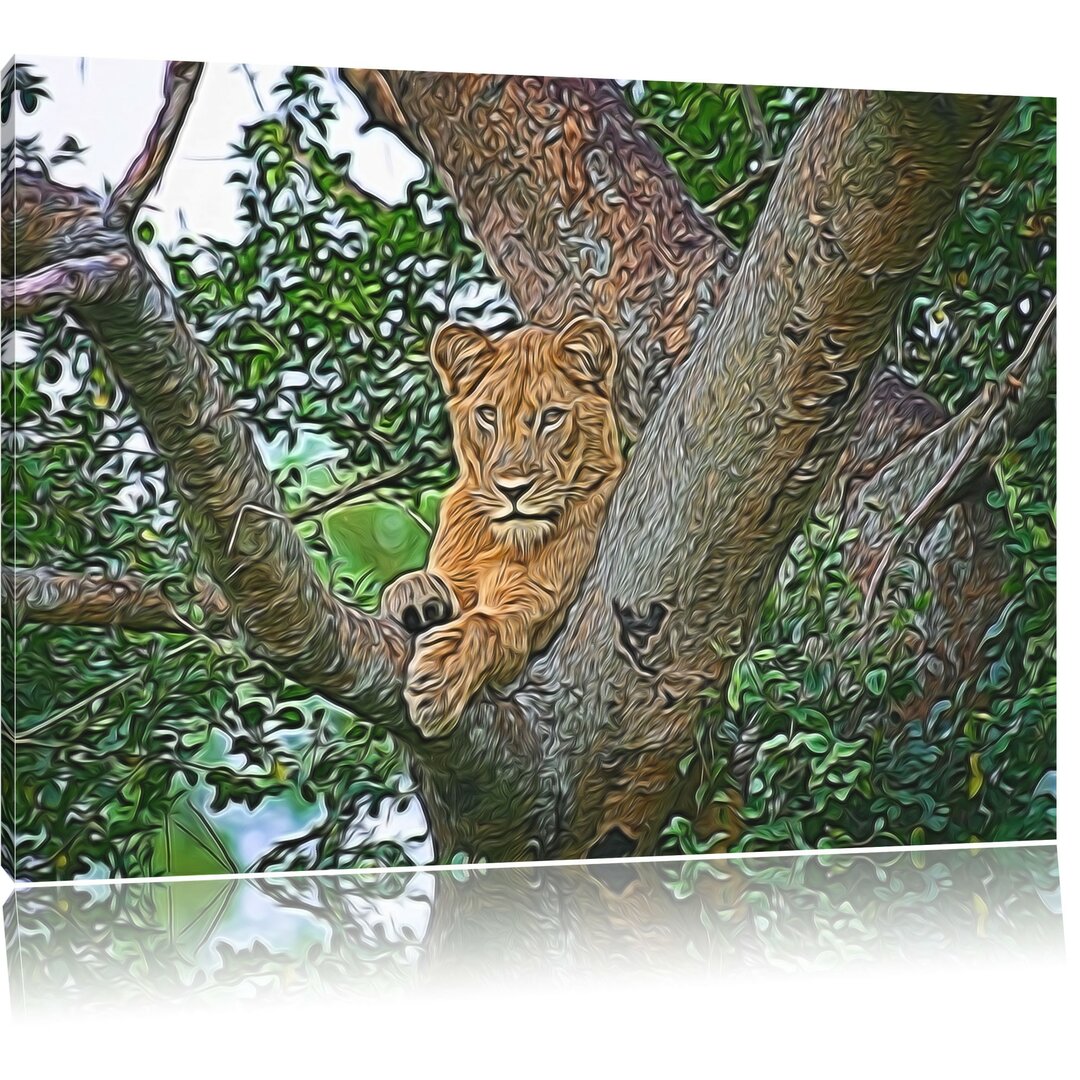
point(144, 173)
point(739, 190)
point(659, 125)
point(250, 76)
point(1019, 366)
point(418, 519)
point(253, 508)
point(323, 504)
point(755, 117)
point(82, 703)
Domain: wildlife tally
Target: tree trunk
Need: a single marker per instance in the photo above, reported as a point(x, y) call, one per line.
point(699, 523)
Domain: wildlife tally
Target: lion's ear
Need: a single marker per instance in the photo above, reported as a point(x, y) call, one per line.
point(458, 353)
point(590, 344)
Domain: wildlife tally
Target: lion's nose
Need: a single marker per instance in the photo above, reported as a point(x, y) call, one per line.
point(513, 487)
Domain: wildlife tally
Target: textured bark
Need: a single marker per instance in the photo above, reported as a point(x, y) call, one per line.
point(698, 525)
point(574, 207)
point(86, 279)
point(44, 595)
point(780, 369)
point(894, 416)
point(937, 471)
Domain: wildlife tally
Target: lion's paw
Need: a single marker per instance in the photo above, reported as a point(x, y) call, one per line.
point(419, 600)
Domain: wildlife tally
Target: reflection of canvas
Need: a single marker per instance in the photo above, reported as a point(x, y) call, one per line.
point(367, 934)
point(407, 468)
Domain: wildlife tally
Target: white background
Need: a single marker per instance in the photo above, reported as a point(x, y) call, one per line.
point(985, 1021)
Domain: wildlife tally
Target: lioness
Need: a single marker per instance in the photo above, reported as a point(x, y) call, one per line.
point(538, 452)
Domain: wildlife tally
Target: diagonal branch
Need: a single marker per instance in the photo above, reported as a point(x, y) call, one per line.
point(780, 369)
point(59, 597)
point(234, 512)
point(914, 488)
point(229, 503)
point(359, 489)
point(144, 173)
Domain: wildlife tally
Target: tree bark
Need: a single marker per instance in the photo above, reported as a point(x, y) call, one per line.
point(59, 597)
point(69, 254)
point(941, 468)
point(574, 207)
point(699, 523)
point(234, 512)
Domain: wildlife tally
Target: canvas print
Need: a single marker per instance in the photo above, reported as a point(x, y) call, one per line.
point(411, 468)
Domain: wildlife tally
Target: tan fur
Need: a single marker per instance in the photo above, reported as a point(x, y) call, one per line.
point(530, 407)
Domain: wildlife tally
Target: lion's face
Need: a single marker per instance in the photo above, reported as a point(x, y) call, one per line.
point(534, 430)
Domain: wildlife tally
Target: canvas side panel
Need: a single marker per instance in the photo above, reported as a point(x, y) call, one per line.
point(7, 677)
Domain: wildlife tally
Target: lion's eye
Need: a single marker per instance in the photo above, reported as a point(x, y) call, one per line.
point(486, 416)
point(551, 418)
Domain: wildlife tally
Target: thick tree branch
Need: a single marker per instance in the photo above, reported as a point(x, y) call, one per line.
point(550, 127)
point(234, 511)
point(59, 597)
point(780, 369)
point(80, 279)
point(181, 81)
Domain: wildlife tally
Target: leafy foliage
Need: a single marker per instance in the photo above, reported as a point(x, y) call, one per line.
point(724, 141)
